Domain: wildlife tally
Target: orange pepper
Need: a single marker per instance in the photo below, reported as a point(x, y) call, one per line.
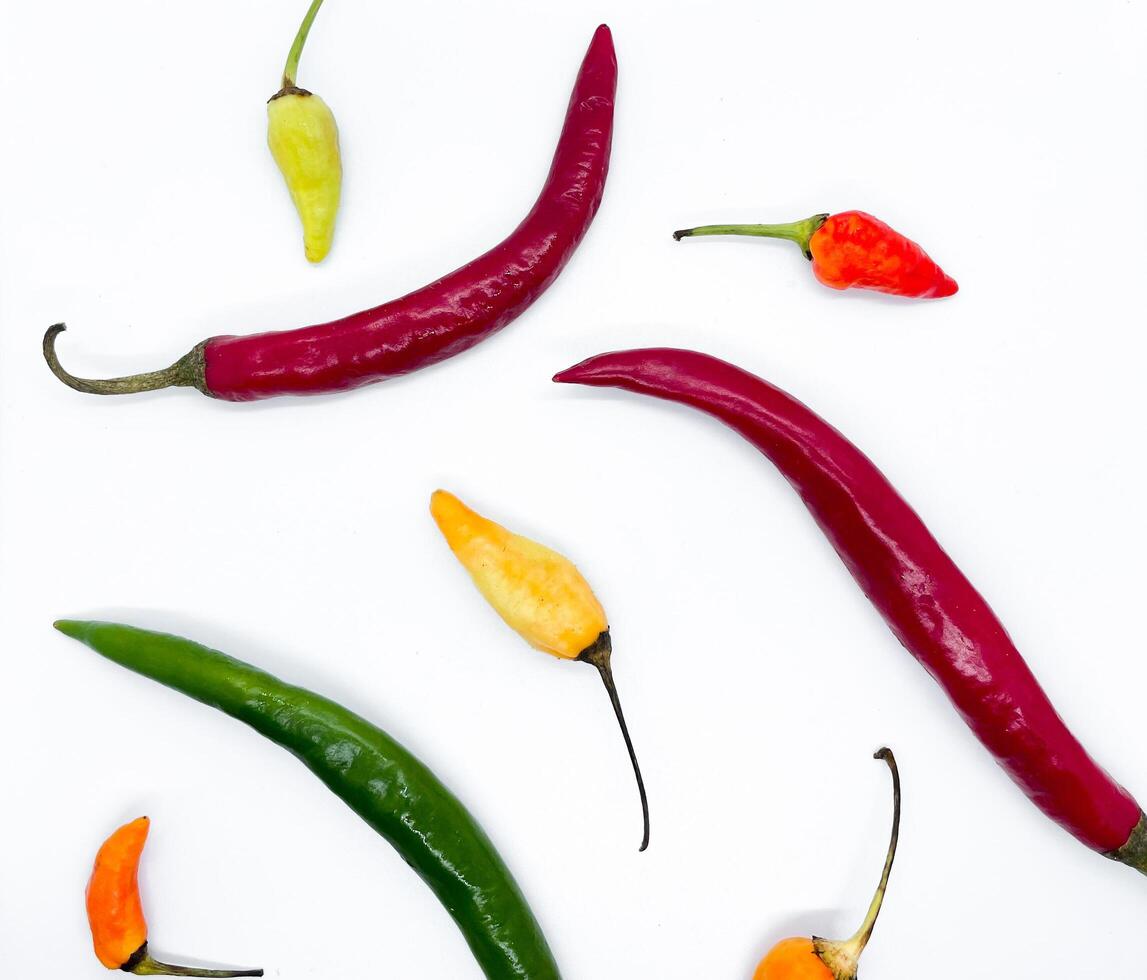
point(540, 595)
point(115, 911)
point(804, 958)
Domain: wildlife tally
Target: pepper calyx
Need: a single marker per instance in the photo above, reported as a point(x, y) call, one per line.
point(1133, 853)
point(289, 88)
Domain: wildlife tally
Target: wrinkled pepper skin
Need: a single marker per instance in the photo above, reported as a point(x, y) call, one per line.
point(382, 782)
point(115, 910)
point(927, 601)
point(854, 249)
point(433, 323)
point(539, 593)
point(304, 140)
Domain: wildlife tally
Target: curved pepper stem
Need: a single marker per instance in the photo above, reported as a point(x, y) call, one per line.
point(142, 965)
point(187, 372)
point(842, 957)
point(800, 232)
point(599, 656)
point(291, 69)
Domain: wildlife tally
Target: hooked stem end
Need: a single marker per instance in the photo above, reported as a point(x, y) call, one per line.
point(843, 956)
point(142, 965)
point(188, 372)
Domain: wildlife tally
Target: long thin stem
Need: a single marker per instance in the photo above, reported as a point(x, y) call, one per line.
point(291, 69)
point(795, 231)
point(187, 372)
point(599, 655)
point(142, 965)
point(842, 957)
point(864, 933)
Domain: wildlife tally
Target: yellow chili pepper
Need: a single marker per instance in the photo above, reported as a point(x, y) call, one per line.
point(540, 594)
point(304, 141)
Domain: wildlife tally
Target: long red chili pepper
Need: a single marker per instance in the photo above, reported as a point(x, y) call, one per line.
point(432, 323)
point(926, 600)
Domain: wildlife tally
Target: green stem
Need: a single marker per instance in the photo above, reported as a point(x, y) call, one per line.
point(291, 69)
point(842, 957)
point(142, 965)
point(599, 655)
point(800, 232)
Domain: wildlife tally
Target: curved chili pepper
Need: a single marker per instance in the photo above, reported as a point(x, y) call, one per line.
point(541, 596)
point(802, 958)
point(115, 912)
point(930, 605)
point(853, 249)
point(382, 782)
point(433, 323)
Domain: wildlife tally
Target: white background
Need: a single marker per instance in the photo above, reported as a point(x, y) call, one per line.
point(141, 205)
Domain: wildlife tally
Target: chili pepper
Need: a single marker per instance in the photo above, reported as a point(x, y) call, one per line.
point(853, 249)
point(304, 141)
point(433, 323)
point(115, 912)
point(930, 605)
point(801, 958)
point(540, 595)
point(382, 782)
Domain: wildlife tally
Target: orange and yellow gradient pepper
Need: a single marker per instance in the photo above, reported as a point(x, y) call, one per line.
point(540, 595)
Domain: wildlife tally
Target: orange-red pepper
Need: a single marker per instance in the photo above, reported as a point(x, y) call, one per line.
point(115, 911)
point(853, 249)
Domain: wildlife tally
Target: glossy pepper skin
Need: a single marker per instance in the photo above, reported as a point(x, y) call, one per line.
point(382, 782)
point(115, 911)
point(431, 324)
point(853, 250)
point(304, 141)
point(927, 601)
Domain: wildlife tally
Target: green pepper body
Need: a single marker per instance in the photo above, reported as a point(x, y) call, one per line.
point(375, 776)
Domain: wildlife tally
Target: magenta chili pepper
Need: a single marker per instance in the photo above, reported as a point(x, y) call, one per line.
point(927, 601)
point(433, 323)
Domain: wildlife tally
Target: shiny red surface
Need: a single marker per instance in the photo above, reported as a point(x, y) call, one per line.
point(459, 310)
point(926, 600)
point(855, 249)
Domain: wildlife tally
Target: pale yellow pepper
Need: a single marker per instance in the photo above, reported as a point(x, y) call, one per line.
point(304, 141)
point(540, 594)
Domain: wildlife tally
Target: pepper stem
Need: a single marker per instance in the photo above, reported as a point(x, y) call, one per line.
point(291, 69)
point(598, 654)
point(187, 372)
point(142, 965)
point(842, 958)
point(800, 232)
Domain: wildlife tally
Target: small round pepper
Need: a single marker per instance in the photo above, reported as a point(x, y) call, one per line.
point(853, 249)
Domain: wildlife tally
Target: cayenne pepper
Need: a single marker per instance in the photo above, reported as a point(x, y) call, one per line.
point(390, 789)
point(927, 601)
point(853, 249)
point(115, 910)
point(433, 323)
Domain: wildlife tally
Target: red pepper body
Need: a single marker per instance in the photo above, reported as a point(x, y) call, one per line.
point(926, 600)
point(460, 309)
point(855, 249)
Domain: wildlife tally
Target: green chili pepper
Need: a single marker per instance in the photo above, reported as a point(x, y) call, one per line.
point(370, 772)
